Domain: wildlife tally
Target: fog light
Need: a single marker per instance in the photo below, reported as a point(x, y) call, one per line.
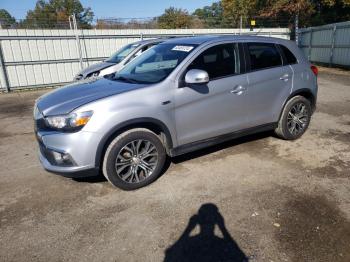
point(62, 158)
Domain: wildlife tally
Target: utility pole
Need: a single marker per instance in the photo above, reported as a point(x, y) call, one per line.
point(240, 25)
point(4, 71)
point(297, 24)
point(73, 26)
point(297, 28)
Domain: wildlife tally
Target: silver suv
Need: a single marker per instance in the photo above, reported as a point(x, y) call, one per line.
point(179, 96)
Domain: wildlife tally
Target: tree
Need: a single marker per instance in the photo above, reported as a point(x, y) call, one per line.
point(197, 23)
point(55, 13)
point(175, 18)
point(330, 11)
point(278, 8)
point(310, 12)
point(234, 9)
point(212, 16)
point(126, 23)
point(6, 20)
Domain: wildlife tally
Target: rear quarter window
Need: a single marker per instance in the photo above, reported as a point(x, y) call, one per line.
point(290, 58)
point(263, 55)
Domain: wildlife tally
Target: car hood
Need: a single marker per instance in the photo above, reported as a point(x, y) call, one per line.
point(65, 99)
point(95, 67)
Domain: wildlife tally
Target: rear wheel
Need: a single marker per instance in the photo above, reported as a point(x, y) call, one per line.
point(134, 159)
point(295, 118)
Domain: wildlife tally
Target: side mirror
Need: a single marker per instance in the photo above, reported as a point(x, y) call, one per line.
point(196, 76)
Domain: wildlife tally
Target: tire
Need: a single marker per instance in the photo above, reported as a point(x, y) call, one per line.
point(126, 153)
point(293, 115)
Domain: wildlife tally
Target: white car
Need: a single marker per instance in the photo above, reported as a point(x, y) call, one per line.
point(118, 60)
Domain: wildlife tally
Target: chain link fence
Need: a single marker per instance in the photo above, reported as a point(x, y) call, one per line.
point(192, 22)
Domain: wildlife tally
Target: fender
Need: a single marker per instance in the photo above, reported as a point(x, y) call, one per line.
point(132, 123)
point(301, 91)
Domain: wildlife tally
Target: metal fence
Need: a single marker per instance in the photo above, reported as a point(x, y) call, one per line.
point(328, 44)
point(42, 58)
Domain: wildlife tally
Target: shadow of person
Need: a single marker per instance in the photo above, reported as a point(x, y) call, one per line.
point(205, 246)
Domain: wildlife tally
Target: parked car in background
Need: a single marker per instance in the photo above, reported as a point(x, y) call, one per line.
point(182, 95)
point(118, 60)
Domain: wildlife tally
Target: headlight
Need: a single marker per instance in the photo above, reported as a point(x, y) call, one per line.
point(78, 77)
point(69, 122)
point(93, 75)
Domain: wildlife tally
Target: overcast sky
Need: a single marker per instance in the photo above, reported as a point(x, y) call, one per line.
point(112, 8)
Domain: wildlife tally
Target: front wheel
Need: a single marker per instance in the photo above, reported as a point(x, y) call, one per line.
point(295, 118)
point(134, 159)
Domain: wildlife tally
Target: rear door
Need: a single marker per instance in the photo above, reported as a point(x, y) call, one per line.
point(216, 108)
point(269, 82)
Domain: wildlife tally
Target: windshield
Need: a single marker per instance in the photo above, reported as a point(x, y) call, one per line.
point(118, 56)
point(155, 64)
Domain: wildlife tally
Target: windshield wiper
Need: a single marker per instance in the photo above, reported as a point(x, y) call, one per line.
point(125, 79)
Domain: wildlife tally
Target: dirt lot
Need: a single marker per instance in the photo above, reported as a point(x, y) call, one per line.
point(259, 197)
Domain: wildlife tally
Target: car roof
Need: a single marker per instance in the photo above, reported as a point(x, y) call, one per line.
point(150, 41)
point(198, 40)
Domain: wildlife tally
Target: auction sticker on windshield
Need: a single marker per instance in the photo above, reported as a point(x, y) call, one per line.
point(183, 48)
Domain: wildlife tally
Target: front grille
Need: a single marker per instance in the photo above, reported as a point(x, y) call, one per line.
point(78, 77)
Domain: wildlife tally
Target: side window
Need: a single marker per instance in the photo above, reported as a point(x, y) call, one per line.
point(263, 55)
point(218, 61)
point(288, 55)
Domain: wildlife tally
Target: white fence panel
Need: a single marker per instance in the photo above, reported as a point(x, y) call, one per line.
point(39, 58)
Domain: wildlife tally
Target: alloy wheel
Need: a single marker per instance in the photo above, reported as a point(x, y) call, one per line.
point(297, 119)
point(136, 161)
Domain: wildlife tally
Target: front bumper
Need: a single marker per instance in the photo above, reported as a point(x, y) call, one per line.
point(80, 147)
point(71, 172)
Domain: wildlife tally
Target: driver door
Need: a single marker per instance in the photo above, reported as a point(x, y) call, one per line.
point(208, 110)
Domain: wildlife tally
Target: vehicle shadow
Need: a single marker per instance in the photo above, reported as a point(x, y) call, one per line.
point(192, 155)
point(91, 179)
point(205, 246)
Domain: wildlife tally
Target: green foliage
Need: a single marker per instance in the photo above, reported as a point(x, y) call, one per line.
point(220, 14)
point(330, 11)
point(311, 12)
point(55, 13)
point(6, 20)
point(267, 13)
point(175, 18)
point(234, 9)
point(211, 16)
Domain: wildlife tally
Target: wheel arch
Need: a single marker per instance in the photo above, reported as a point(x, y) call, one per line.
point(301, 92)
point(154, 125)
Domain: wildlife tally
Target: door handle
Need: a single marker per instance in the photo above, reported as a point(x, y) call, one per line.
point(238, 90)
point(285, 77)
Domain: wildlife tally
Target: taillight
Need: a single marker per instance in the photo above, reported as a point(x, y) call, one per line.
point(314, 70)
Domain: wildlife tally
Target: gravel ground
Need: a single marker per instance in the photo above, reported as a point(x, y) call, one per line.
point(257, 197)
